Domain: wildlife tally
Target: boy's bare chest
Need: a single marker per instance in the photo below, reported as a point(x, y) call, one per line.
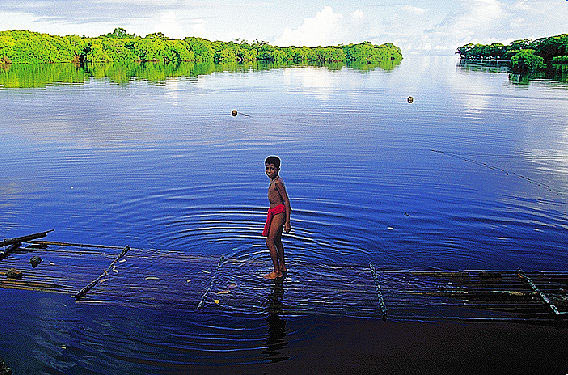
point(273, 195)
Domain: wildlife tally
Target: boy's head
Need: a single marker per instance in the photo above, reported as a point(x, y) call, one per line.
point(273, 160)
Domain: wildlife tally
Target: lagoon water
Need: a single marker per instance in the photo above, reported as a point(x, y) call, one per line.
point(472, 175)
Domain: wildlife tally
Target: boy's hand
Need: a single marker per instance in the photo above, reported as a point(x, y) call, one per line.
point(287, 227)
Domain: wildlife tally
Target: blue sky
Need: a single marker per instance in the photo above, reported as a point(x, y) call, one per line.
point(421, 27)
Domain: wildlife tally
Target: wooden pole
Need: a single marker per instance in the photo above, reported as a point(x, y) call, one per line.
point(542, 296)
point(92, 284)
point(19, 240)
point(58, 243)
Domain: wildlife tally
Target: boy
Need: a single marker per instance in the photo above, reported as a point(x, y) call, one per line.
point(278, 217)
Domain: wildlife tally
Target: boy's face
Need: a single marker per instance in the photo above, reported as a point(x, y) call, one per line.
point(271, 170)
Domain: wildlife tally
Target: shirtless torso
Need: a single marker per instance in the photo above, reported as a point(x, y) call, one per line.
point(274, 195)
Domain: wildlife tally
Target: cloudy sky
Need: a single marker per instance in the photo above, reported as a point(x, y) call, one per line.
point(422, 27)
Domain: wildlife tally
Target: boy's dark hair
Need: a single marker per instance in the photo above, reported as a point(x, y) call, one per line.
point(273, 160)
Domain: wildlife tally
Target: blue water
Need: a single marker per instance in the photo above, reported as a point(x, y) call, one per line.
point(472, 175)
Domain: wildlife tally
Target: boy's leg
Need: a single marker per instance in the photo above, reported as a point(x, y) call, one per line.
point(275, 229)
point(280, 248)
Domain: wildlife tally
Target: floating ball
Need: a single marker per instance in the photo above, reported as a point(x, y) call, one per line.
point(410, 99)
point(234, 112)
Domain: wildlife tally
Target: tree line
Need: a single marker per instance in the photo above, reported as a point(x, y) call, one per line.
point(28, 47)
point(524, 55)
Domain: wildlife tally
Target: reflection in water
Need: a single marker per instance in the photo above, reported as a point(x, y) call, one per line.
point(558, 72)
point(276, 325)
point(42, 75)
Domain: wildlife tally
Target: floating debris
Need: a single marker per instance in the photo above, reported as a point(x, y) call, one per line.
point(234, 113)
point(92, 284)
point(410, 99)
point(35, 260)
point(4, 369)
point(15, 243)
point(14, 274)
point(220, 263)
point(411, 294)
point(36, 246)
point(380, 297)
point(19, 240)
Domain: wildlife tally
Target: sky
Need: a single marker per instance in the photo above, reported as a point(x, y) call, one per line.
point(419, 27)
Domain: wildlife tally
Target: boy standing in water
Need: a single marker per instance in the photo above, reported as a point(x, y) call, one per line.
point(278, 217)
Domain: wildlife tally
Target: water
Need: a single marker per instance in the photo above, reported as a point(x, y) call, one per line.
point(472, 175)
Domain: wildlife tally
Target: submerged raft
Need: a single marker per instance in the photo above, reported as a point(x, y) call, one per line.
point(153, 278)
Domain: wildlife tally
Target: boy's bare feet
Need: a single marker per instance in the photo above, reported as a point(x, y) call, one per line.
point(273, 275)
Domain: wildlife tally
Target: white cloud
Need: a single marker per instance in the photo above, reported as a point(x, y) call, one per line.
point(48, 25)
point(319, 30)
point(466, 23)
point(358, 14)
point(15, 20)
point(419, 27)
point(413, 9)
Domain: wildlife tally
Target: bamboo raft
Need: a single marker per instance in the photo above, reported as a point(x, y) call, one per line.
point(233, 284)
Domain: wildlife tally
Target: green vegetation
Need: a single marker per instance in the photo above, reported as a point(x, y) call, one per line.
point(525, 61)
point(524, 55)
point(122, 57)
point(27, 47)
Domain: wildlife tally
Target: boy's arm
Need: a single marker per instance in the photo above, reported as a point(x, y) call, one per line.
point(284, 195)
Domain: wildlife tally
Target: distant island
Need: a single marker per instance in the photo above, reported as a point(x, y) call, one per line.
point(28, 47)
point(523, 55)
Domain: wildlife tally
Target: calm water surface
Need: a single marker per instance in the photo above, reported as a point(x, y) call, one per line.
point(472, 175)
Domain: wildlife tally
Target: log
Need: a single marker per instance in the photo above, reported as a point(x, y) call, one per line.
point(58, 243)
point(380, 297)
point(13, 247)
point(83, 292)
point(542, 296)
point(19, 240)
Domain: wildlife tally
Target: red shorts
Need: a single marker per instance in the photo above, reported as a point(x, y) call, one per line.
point(271, 212)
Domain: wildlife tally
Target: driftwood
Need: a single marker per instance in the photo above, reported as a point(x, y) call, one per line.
point(19, 240)
point(14, 243)
point(9, 250)
point(541, 294)
point(83, 292)
point(58, 243)
point(380, 298)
